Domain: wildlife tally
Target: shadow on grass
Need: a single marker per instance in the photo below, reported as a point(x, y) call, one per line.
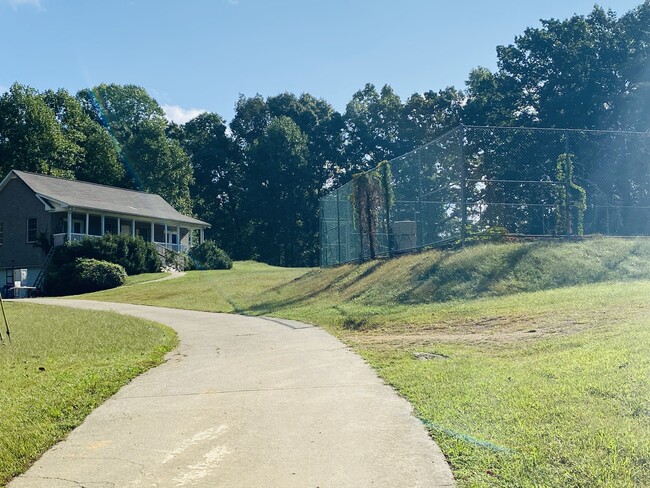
point(271, 306)
point(424, 279)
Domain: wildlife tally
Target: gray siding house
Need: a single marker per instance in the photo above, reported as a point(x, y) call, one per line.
point(34, 207)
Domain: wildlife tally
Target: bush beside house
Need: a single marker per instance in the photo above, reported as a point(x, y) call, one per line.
point(99, 263)
point(84, 276)
point(208, 255)
point(133, 253)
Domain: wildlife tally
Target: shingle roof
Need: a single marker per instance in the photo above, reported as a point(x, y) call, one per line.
point(92, 196)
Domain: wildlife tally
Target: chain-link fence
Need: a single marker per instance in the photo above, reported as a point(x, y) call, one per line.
point(474, 182)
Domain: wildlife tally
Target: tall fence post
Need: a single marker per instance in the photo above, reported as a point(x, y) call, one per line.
point(338, 226)
point(418, 212)
point(324, 238)
point(463, 188)
point(567, 185)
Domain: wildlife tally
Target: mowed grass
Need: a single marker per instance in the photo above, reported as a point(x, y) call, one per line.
point(528, 363)
point(60, 365)
point(144, 278)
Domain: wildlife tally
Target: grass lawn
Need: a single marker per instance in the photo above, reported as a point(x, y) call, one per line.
point(536, 374)
point(61, 364)
point(144, 278)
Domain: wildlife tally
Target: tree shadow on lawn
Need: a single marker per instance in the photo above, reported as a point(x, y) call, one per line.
point(271, 306)
point(428, 289)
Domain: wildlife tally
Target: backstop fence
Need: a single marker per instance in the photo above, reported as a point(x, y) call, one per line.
point(476, 182)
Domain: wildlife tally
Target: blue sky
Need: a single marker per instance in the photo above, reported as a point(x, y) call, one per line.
point(195, 55)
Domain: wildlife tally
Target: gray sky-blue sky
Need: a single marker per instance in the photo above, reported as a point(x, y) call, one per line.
point(201, 54)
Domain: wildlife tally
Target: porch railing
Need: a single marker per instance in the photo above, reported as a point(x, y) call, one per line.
point(59, 240)
point(161, 247)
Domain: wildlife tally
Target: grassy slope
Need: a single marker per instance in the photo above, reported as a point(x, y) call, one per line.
point(541, 377)
point(49, 383)
point(144, 278)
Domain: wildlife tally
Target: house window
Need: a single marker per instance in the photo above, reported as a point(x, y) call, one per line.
point(31, 229)
point(2, 233)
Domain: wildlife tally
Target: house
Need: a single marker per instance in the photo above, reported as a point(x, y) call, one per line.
point(35, 207)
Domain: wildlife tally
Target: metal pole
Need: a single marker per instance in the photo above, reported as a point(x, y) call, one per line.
point(4, 315)
point(463, 188)
point(324, 237)
point(338, 226)
point(567, 185)
point(418, 212)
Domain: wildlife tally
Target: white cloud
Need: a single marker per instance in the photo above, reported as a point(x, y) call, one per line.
point(180, 115)
point(34, 3)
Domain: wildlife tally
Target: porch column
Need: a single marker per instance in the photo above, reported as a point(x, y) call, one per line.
point(178, 237)
point(191, 234)
point(119, 226)
point(165, 237)
point(103, 224)
point(152, 231)
point(202, 237)
point(87, 223)
point(69, 230)
point(133, 228)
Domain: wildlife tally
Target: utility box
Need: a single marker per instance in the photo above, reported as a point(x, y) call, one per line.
point(20, 275)
point(405, 234)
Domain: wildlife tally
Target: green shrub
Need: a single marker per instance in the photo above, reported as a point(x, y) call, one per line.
point(84, 276)
point(95, 275)
point(207, 255)
point(133, 253)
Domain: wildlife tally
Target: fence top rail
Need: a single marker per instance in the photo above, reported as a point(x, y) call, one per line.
point(556, 129)
point(549, 182)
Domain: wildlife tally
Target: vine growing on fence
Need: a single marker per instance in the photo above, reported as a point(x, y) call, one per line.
point(371, 192)
point(366, 200)
point(388, 199)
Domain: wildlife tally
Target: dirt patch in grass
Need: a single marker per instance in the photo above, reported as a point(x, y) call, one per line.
point(490, 331)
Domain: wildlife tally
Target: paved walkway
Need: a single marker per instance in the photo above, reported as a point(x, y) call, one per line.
point(245, 402)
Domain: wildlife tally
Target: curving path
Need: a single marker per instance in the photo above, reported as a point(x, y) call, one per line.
point(245, 402)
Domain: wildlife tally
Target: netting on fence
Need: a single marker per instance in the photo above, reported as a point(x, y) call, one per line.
point(479, 181)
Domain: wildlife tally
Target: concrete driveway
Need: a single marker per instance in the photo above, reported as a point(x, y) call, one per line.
point(245, 402)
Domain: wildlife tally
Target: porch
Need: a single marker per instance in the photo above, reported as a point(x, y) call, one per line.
point(171, 236)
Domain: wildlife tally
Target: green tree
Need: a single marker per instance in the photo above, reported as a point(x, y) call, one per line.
point(31, 137)
point(96, 154)
point(373, 125)
point(154, 162)
point(290, 150)
point(218, 191)
point(568, 73)
point(283, 192)
point(428, 115)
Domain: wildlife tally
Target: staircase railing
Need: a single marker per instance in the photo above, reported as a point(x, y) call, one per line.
point(38, 282)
